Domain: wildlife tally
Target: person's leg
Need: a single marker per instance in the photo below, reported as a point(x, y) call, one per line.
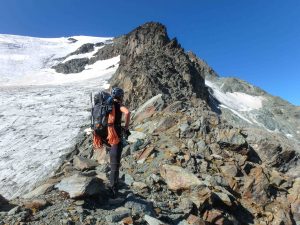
point(114, 168)
point(120, 148)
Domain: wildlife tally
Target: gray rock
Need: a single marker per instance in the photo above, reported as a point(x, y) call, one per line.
point(152, 221)
point(201, 145)
point(126, 151)
point(231, 138)
point(104, 168)
point(85, 48)
point(165, 123)
point(183, 222)
point(82, 163)
point(178, 178)
point(135, 136)
point(229, 170)
point(128, 179)
point(191, 144)
point(39, 191)
point(2, 214)
point(155, 178)
point(71, 66)
point(154, 104)
point(185, 130)
point(14, 211)
point(217, 180)
point(79, 186)
point(186, 205)
point(139, 206)
point(136, 146)
point(118, 215)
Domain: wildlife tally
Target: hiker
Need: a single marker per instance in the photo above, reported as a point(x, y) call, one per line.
point(114, 135)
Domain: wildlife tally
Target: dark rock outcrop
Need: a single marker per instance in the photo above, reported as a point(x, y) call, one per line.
point(151, 58)
point(88, 47)
point(71, 66)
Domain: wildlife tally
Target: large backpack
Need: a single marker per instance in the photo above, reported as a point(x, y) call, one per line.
point(103, 104)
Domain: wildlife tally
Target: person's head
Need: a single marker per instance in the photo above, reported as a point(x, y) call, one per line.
point(117, 94)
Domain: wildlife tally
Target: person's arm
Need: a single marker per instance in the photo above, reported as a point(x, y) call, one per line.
point(127, 116)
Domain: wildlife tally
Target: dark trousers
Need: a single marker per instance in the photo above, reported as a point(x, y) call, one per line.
point(115, 158)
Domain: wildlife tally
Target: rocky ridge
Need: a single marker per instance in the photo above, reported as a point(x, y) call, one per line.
point(183, 164)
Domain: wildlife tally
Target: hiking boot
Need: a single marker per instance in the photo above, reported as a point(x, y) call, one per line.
point(113, 192)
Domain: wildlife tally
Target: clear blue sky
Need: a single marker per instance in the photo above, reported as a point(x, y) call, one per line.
point(257, 41)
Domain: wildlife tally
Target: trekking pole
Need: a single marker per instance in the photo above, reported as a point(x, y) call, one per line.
point(92, 120)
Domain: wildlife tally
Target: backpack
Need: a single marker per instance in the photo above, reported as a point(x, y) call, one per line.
point(103, 105)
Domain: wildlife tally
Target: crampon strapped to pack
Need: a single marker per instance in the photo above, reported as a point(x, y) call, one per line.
point(103, 105)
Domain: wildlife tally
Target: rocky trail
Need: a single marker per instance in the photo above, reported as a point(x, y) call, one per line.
point(182, 166)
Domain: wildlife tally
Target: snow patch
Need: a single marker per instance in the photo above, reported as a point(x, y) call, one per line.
point(236, 101)
point(236, 113)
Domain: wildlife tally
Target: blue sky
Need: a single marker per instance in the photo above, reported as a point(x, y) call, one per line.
point(257, 41)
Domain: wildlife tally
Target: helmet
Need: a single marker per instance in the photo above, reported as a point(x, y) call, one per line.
point(117, 93)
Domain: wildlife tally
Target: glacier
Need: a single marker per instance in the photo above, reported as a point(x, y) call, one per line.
point(41, 111)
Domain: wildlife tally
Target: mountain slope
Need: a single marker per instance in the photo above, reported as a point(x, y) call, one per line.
point(201, 151)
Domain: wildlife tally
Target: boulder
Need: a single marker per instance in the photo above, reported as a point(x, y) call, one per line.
point(155, 104)
point(81, 163)
point(128, 179)
point(178, 178)
point(294, 200)
point(229, 170)
point(186, 205)
point(231, 138)
point(139, 206)
point(185, 130)
point(174, 107)
point(139, 185)
point(153, 221)
point(79, 186)
point(100, 155)
point(256, 186)
point(144, 154)
point(279, 212)
point(118, 215)
point(3, 200)
point(39, 191)
point(201, 197)
point(135, 136)
point(165, 123)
